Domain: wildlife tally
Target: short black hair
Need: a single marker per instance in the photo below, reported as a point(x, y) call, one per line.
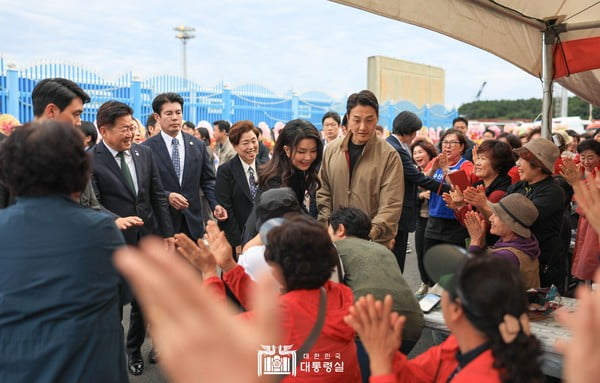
point(513, 140)
point(364, 98)
point(406, 123)
point(110, 111)
point(589, 144)
point(57, 91)
point(189, 124)
point(150, 121)
point(204, 134)
point(304, 264)
point(164, 98)
point(331, 114)
point(345, 121)
point(223, 125)
point(89, 129)
point(489, 131)
point(356, 222)
point(41, 159)
point(461, 119)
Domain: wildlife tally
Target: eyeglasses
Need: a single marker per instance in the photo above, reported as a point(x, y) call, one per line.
point(450, 143)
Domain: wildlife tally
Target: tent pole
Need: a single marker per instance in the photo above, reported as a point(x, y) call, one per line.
point(547, 74)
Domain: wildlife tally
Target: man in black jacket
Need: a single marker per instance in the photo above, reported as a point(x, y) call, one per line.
point(127, 182)
point(405, 128)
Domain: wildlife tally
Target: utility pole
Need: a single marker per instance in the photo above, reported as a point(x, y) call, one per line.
point(184, 34)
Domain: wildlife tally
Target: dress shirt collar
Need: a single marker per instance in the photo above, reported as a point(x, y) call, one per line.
point(114, 152)
point(245, 166)
point(168, 139)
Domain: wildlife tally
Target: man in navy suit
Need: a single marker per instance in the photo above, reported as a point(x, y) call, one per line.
point(405, 128)
point(126, 181)
point(184, 167)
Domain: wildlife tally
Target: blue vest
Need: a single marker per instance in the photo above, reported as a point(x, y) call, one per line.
point(437, 206)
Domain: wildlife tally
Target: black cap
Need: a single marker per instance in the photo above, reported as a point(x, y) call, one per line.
point(443, 262)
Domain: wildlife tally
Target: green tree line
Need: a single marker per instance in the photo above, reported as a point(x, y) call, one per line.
point(517, 109)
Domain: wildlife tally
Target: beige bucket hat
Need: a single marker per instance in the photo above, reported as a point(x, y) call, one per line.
point(540, 151)
point(517, 211)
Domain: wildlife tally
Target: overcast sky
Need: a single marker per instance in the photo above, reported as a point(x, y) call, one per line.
point(302, 45)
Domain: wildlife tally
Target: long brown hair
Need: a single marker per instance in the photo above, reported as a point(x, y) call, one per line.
point(280, 165)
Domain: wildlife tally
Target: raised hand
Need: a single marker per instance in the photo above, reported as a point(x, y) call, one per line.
point(125, 223)
point(448, 200)
point(443, 162)
point(199, 255)
point(219, 246)
point(476, 228)
point(379, 329)
point(475, 196)
point(587, 195)
point(581, 353)
point(571, 171)
point(198, 335)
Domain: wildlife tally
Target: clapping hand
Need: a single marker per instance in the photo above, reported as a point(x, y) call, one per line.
point(197, 334)
point(581, 353)
point(454, 199)
point(379, 329)
point(587, 195)
point(476, 227)
point(476, 196)
point(571, 171)
point(198, 255)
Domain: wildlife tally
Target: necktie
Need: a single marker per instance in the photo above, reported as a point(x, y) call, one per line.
point(175, 157)
point(252, 183)
point(126, 172)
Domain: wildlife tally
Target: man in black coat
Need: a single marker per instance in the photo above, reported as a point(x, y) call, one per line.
point(125, 178)
point(405, 128)
point(184, 168)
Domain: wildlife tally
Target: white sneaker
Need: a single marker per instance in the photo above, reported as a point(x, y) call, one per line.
point(423, 289)
point(408, 250)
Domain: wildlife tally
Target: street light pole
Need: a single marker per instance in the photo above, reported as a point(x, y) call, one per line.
point(184, 34)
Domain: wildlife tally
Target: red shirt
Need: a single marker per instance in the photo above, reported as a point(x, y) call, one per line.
point(299, 309)
point(437, 364)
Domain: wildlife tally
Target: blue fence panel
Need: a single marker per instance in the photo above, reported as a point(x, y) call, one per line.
point(246, 102)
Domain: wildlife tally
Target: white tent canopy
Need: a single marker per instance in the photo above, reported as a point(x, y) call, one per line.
point(516, 30)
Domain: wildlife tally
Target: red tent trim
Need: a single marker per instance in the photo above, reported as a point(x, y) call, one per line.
point(581, 55)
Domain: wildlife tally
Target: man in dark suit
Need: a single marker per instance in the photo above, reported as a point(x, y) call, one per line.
point(127, 182)
point(184, 168)
point(237, 180)
point(405, 128)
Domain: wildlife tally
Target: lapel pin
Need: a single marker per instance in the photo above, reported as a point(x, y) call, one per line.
point(191, 143)
point(136, 153)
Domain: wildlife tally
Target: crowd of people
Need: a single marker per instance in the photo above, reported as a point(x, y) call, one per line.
point(306, 236)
